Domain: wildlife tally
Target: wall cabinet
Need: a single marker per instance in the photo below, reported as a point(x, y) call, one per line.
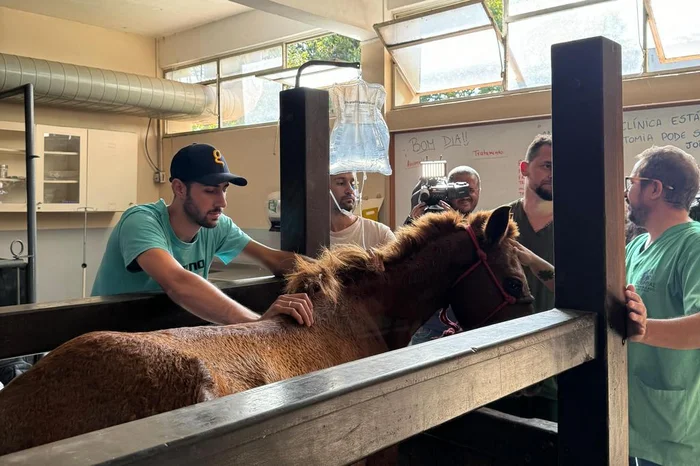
point(111, 170)
point(61, 169)
point(76, 169)
point(13, 183)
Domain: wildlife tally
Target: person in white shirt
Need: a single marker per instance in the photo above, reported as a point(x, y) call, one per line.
point(348, 228)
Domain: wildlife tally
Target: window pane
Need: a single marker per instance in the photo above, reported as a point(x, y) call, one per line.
point(530, 40)
point(252, 61)
point(209, 120)
point(318, 77)
point(655, 64)
point(676, 23)
point(193, 74)
point(496, 9)
point(249, 101)
point(330, 47)
point(461, 94)
point(459, 19)
point(460, 61)
point(518, 7)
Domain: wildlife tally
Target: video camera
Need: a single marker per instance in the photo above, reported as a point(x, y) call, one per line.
point(695, 209)
point(434, 186)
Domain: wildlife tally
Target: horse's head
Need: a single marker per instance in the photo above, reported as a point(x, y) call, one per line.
point(490, 286)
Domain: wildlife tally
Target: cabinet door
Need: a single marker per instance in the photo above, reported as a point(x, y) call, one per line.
point(61, 175)
point(13, 168)
point(112, 170)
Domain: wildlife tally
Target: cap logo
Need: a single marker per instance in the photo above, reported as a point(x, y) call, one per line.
point(217, 157)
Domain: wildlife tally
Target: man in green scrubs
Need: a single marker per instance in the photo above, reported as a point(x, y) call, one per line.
point(663, 270)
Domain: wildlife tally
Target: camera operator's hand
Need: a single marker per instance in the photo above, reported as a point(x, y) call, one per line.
point(419, 209)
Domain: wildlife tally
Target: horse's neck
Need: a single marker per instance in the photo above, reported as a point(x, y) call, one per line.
point(414, 288)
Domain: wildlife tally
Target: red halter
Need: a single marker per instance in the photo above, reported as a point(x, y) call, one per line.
point(454, 327)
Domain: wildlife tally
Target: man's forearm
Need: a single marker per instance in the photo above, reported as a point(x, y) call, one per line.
point(682, 333)
point(206, 301)
point(286, 261)
point(544, 272)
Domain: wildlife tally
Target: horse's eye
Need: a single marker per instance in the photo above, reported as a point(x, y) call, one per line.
point(513, 287)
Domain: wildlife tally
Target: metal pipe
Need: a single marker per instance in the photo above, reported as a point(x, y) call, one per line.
point(31, 191)
point(28, 91)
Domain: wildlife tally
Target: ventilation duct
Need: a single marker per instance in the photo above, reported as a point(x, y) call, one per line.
point(82, 87)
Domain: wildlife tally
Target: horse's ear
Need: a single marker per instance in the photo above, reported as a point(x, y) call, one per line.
point(497, 225)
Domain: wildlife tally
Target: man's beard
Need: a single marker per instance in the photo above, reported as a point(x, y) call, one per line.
point(195, 215)
point(637, 215)
point(344, 205)
point(543, 193)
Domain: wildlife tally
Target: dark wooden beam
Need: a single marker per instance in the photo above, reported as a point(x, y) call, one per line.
point(589, 244)
point(304, 168)
point(342, 414)
point(36, 328)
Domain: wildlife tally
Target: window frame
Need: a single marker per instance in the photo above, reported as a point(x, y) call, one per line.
point(397, 73)
point(220, 80)
point(402, 18)
point(650, 20)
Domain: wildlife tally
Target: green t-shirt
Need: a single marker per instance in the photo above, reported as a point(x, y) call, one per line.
point(147, 226)
point(664, 384)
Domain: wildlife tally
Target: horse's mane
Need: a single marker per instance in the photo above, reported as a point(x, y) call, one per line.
point(336, 266)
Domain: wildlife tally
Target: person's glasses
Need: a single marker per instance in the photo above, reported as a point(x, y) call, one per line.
point(630, 180)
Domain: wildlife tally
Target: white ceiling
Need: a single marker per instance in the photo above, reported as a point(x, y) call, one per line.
point(148, 17)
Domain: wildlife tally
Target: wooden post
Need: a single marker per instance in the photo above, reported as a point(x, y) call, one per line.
point(304, 170)
point(589, 244)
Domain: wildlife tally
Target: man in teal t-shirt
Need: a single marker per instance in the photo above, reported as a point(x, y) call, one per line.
point(159, 247)
point(663, 269)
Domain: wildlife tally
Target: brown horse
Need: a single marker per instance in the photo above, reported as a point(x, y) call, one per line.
point(364, 303)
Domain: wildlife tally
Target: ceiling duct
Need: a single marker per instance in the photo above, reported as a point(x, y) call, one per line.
point(82, 87)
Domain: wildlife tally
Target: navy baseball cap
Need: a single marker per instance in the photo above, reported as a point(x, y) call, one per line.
point(202, 163)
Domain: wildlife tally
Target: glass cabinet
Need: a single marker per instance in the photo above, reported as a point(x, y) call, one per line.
point(61, 168)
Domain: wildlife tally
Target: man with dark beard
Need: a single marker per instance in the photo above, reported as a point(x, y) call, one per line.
point(348, 228)
point(534, 214)
point(158, 247)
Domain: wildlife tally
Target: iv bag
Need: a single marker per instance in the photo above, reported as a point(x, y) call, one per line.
point(360, 136)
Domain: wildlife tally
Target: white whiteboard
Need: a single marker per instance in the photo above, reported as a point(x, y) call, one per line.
point(495, 150)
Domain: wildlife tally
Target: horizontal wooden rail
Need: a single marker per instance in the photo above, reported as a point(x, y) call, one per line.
point(35, 328)
point(345, 413)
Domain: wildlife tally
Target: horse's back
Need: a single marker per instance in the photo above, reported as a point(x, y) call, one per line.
point(103, 379)
point(95, 381)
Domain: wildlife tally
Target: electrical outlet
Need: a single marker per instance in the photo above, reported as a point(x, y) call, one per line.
point(159, 177)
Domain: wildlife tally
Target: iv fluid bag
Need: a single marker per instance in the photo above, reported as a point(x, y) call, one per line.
point(360, 136)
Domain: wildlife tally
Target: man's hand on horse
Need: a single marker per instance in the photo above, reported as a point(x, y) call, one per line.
point(298, 306)
point(525, 256)
point(637, 313)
